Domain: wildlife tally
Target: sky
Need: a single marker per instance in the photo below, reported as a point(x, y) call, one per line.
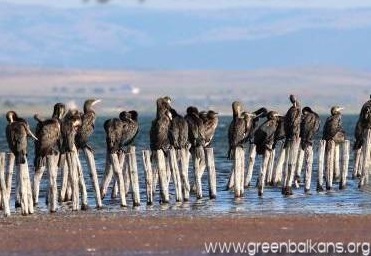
point(186, 34)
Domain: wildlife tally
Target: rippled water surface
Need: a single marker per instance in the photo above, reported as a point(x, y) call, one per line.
point(350, 201)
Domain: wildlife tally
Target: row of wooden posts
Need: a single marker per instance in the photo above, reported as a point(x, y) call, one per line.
point(161, 168)
point(121, 168)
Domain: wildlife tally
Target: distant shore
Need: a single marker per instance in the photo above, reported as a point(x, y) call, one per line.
point(88, 233)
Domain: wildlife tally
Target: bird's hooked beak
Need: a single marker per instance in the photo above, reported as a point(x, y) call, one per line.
point(340, 108)
point(96, 101)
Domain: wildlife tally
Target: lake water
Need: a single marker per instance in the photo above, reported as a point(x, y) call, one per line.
point(349, 201)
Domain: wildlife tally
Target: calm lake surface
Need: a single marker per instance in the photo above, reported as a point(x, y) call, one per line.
point(350, 201)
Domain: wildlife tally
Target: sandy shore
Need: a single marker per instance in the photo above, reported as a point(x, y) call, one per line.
point(126, 234)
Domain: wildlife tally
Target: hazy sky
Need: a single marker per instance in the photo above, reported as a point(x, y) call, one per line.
point(186, 34)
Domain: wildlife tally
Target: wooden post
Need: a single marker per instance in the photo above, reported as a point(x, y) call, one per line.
point(230, 183)
point(330, 151)
point(345, 165)
point(161, 167)
point(337, 162)
point(366, 148)
point(238, 166)
point(26, 201)
point(133, 172)
point(321, 165)
point(93, 176)
point(292, 154)
point(53, 191)
point(115, 189)
point(175, 174)
point(263, 172)
point(308, 168)
point(126, 173)
point(73, 179)
point(3, 186)
point(149, 175)
point(9, 177)
point(36, 183)
point(279, 166)
point(299, 167)
point(84, 193)
point(250, 168)
point(357, 163)
point(212, 172)
point(184, 167)
point(269, 176)
point(199, 168)
point(107, 177)
point(119, 177)
point(285, 167)
point(63, 193)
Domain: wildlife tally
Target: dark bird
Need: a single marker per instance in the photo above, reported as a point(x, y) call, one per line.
point(17, 132)
point(114, 129)
point(365, 115)
point(178, 131)
point(48, 133)
point(196, 128)
point(309, 126)
point(70, 127)
point(159, 133)
point(87, 124)
point(264, 136)
point(130, 127)
point(293, 120)
point(210, 121)
point(333, 129)
point(358, 134)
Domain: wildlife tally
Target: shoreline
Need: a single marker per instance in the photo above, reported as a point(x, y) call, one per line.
point(124, 233)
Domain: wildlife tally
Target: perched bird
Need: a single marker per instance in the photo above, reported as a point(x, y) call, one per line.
point(309, 126)
point(292, 120)
point(358, 134)
point(363, 123)
point(114, 130)
point(196, 128)
point(70, 127)
point(333, 129)
point(178, 131)
point(210, 121)
point(159, 133)
point(264, 136)
point(87, 124)
point(49, 136)
point(130, 127)
point(17, 132)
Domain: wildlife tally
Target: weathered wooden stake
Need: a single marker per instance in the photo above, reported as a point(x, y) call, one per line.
point(279, 166)
point(308, 168)
point(250, 168)
point(345, 165)
point(53, 191)
point(184, 166)
point(263, 172)
point(290, 164)
point(366, 148)
point(175, 174)
point(84, 193)
point(4, 190)
point(357, 163)
point(73, 179)
point(36, 183)
point(93, 176)
point(212, 172)
point(119, 177)
point(269, 176)
point(9, 177)
point(321, 165)
point(65, 180)
point(238, 166)
point(330, 155)
point(115, 189)
point(337, 162)
point(199, 168)
point(299, 167)
point(161, 167)
point(107, 177)
point(133, 172)
point(125, 172)
point(26, 199)
point(149, 175)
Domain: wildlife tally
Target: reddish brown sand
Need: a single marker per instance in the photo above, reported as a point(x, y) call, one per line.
point(122, 234)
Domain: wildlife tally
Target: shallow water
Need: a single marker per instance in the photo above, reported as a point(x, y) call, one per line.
point(350, 201)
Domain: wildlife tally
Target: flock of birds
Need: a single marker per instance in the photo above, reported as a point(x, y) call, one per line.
point(69, 129)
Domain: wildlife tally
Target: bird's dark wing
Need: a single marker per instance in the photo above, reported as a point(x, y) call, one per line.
point(292, 122)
